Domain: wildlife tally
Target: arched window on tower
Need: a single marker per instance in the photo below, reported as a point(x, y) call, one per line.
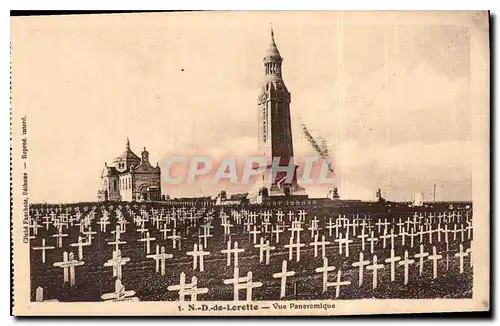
point(115, 185)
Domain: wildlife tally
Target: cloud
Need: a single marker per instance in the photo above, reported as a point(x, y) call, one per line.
point(406, 168)
point(191, 88)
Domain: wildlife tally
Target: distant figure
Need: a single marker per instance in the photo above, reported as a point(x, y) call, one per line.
point(333, 194)
point(380, 199)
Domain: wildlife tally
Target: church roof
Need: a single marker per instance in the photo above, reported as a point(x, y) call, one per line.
point(128, 155)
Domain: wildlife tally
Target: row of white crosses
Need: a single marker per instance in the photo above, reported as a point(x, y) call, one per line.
point(64, 221)
point(295, 235)
point(189, 217)
point(199, 253)
point(403, 234)
point(374, 266)
point(249, 220)
point(343, 222)
point(343, 241)
point(80, 244)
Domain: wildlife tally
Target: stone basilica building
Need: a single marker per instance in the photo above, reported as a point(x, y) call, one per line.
point(130, 178)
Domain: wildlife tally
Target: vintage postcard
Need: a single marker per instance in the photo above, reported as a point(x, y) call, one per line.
point(250, 163)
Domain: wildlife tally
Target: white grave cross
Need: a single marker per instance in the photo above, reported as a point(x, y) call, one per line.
point(43, 248)
point(375, 267)
point(117, 262)
point(198, 253)
point(68, 265)
point(392, 260)
point(338, 283)
point(406, 262)
point(325, 269)
point(434, 257)
point(147, 239)
point(283, 276)
point(160, 258)
point(120, 294)
point(421, 255)
point(360, 264)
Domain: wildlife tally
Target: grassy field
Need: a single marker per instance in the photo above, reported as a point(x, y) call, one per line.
point(93, 279)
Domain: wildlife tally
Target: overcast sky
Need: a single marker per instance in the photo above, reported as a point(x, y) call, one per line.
point(390, 95)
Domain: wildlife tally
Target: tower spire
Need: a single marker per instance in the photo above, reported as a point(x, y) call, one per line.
point(128, 143)
point(272, 59)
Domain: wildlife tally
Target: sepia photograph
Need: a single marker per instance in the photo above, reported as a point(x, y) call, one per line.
point(250, 163)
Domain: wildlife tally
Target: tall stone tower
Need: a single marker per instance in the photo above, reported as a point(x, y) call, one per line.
point(275, 130)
